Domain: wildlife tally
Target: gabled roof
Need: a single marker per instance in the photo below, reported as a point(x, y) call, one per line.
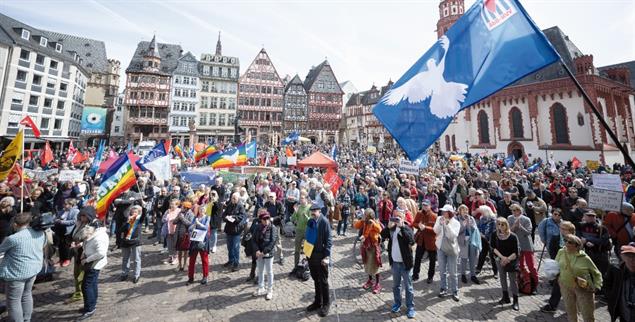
point(168, 53)
point(92, 52)
point(315, 72)
point(10, 34)
point(188, 58)
point(367, 97)
point(255, 67)
point(630, 65)
point(294, 81)
point(348, 87)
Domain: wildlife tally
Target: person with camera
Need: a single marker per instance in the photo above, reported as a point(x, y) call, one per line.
point(23, 256)
point(447, 229)
point(579, 279)
point(425, 239)
point(620, 286)
point(371, 252)
point(319, 241)
point(263, 243)
point(400, 241)
point(64, 224)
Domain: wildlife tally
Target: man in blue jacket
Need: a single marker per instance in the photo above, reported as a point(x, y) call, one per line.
point(319, 259)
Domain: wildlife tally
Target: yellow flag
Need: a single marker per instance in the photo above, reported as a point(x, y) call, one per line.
point(11, 154)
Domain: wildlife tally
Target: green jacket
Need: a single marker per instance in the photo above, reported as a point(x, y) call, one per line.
point(300, 217)
point(577, 265)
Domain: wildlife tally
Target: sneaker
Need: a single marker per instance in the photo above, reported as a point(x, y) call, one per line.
point(475, 280)
point(136, 280)
point(269, 296)
point(411, 313)
point(395, 308)
point(376, 288)
point(214, 249)
point(442, 294)
point(228, 264)
point(204, 281)
point(235, 268)
point(324, 310)
point(548, 309)
point(464, 279)
point(455, 297)
point(86, 315)
point(189, 281)
point(312, 307)
point(368, 284)
point(259, 292)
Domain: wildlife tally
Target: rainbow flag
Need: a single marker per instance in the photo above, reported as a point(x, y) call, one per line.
point(229, 158)
point(200, 155)
point(133, 224)
point(117, 179)
point(178, 150)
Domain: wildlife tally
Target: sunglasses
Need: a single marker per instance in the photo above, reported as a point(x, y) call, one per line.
point(570, 242)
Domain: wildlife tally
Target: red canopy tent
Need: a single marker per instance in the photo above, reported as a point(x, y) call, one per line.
point(317, 160)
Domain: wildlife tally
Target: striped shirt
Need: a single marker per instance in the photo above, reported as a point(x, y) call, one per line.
point(23, 255)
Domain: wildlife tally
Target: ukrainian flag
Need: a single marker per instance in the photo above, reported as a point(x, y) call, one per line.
point(310, 237)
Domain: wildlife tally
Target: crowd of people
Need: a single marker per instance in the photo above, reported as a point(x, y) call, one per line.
point(460, 215)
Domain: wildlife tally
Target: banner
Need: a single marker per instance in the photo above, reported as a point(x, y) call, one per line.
point(607, 181)
point(93, 120)
point(71, 175)
point(39, 175)
point(292, 160)
point(408, 167)
point(605, 199)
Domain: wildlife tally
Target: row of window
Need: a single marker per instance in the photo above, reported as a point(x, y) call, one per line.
point(295, 100)
point(148, 79)
point(184, 106)
point(206, 119)
point(180, 120)
point(257, 101)
point(260, 116)
point(263, 76)
point(142, 95)
point(326, 98)
point(325, 109)
point(245, 88)
point(26, 35)
point(178, 92)
point(327, 85)
point(25, 55)
point(221, 87)
point(218, 102)
point(45, 123)
point(217, 71)
point(152, 129)
point(148, 112)
point(23, 75)
point(34, 100)
point(185, 80)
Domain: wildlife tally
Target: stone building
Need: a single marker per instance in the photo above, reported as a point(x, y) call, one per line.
point(544, 114)
point(147, 91)
point(184, 99)
point(362, 126)
point(260, 100)
point(295, 106)
point(218, 75)
point(324, 104)
point(118, 126)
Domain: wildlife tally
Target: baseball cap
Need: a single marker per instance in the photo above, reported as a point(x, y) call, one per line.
point(628, 249)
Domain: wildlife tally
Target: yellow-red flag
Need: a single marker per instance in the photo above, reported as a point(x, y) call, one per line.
point(11, 154)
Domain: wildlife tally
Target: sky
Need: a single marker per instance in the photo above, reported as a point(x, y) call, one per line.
point(366, 42)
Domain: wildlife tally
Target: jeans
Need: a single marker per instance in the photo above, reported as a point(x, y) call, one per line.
point(89, 288)
point(213, 238)
point(513, 283)
point(402, 276)
point(135, 253)
point(204, 260)
point(554, 299)
point(265, 266)
point(472, 255)
point(233, 249)
point(447, 266)
point(342, 224)
point(299, 242)
point(432, 257)
point(20, 299)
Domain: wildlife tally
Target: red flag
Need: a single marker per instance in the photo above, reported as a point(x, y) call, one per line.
point(47, 156)
point(14, 178)
point(334, 180)
point(28, 122)
point(575, 163)
point(79, 157)
point(167, 144)
point(72, 151)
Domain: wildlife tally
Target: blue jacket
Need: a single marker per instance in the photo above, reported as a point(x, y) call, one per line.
point(68, 219)
point(324, 241)
point(548, 229)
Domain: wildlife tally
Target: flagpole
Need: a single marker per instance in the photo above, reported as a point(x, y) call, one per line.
point(22, 174)
point(587, 99)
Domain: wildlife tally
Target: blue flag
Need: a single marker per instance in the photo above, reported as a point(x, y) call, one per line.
point(156, 152)
point(251, 149)
point(97, 160)
point(293, 136)
point(492, 45)
point(509, 161)
point(334, 152)
point(533, 168)
point(422, 160)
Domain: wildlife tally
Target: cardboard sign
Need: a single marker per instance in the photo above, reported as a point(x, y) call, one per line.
point(592, 164)
point(605, 199)
point(371, 149)
point(408, 167)
point(71, 175)
point(292, 160)
point(198, 235)
point(40, 175)
point(607, 182)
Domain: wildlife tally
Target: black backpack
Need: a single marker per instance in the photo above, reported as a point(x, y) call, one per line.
point(302, 270)
point(43, 222)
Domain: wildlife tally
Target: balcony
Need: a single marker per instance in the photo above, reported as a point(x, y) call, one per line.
point(36, 88)
point(59, 112)
point(63, 94)
point(39, 68)
point(24, 63)
point(147, 121)
point(53, 72)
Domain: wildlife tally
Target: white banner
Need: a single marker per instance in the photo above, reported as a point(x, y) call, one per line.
point(292, 160)
point(605, 199)
point(71, 175)
point(607, 181)
point(39, 174)
point(408, 167)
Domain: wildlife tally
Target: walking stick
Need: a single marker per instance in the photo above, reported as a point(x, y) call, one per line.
point(542, 253)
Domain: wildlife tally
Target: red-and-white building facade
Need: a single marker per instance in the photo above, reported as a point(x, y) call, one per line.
point(260, 100)
point(543, 114)
point(324, 104)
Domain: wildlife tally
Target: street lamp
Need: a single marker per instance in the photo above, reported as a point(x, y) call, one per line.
point(467, 146)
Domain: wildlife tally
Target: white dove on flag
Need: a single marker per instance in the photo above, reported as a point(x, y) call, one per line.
point(445, 97)
point(232, 157)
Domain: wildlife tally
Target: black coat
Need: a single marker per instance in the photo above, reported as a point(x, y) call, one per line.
point(238, 211)
point(406, 241)
point(264, 241)
point(217, 215)
point(616, 278)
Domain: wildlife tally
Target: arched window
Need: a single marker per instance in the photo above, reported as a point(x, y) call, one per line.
point(559, 124)
point(453, 142)
point(580, 119)
point(447, 142)
point(483, 128)
point(516, 122)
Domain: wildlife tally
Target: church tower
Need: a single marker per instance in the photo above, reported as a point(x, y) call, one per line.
point(449, 12)
point(219, 47)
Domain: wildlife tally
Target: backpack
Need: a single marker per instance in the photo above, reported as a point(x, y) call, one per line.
point(524, 282)
point(288, 229)
point(301, 271)
point(43, 222)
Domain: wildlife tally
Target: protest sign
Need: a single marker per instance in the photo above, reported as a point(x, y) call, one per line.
point(605, 199)
point(71, 175)
point(292, 160)
point(607, 181)
point(408, 167)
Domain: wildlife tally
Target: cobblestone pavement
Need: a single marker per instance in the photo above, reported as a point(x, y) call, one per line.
point(161, 294)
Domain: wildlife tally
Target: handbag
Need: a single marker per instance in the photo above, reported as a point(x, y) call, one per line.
point(448, 246)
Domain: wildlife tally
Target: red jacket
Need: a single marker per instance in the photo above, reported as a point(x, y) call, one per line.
point(385, 208)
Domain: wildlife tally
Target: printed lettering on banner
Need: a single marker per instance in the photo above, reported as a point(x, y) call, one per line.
point(408, 167)
point(71, 175)
point(607, 181)
point(605, 199)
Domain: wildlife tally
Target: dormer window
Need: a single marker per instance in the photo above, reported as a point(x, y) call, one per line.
point(26, 34)
point(43, 41)
point(58, 48)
